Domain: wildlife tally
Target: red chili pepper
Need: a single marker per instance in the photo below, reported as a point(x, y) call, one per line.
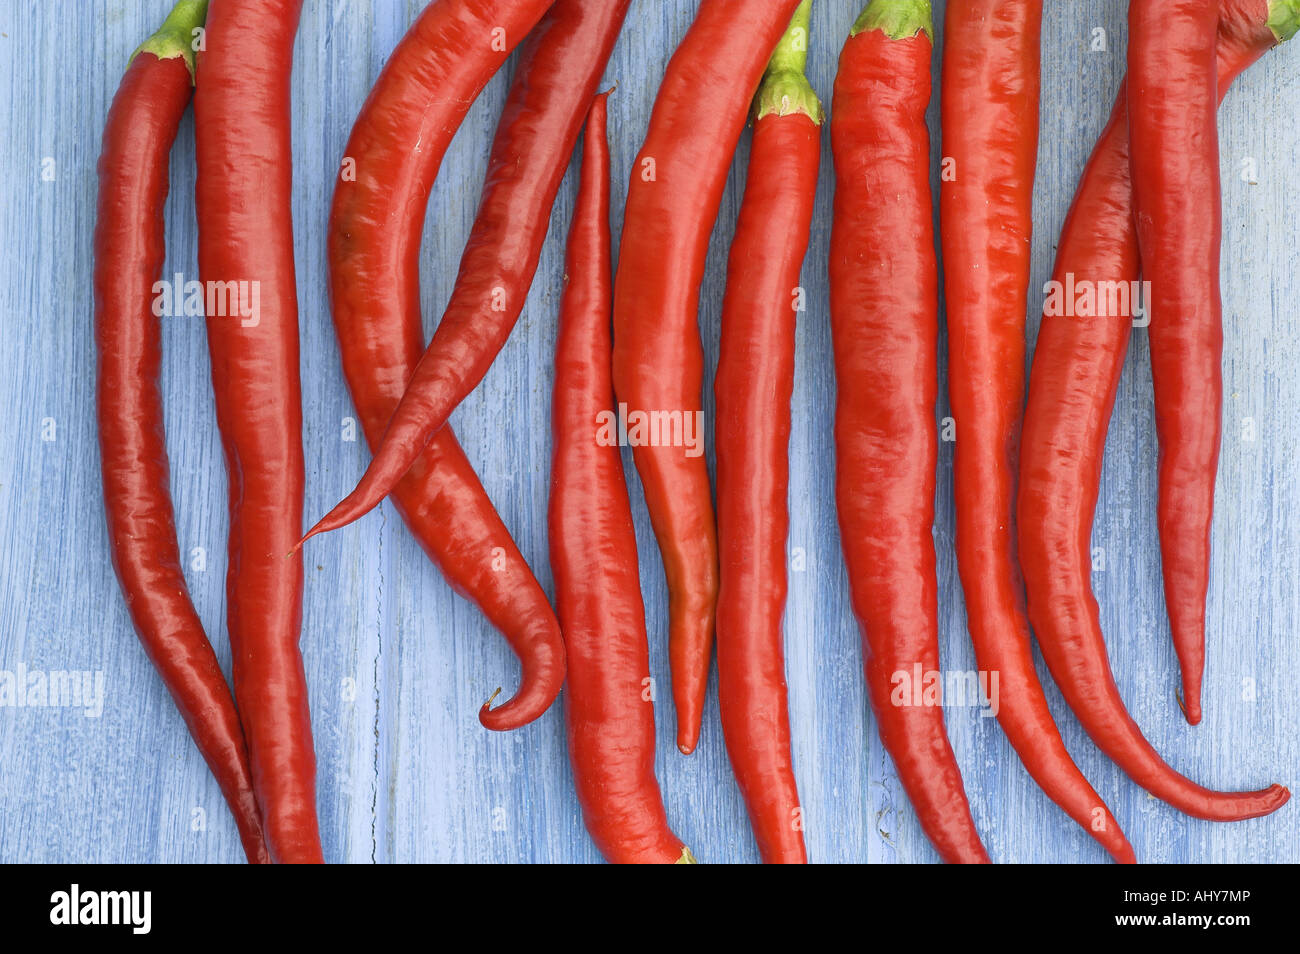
point(1175, 159)
point(245, 172)
point(379, 327)
point(129, 251)
point(885, 327)
point(673, 201)
point(427, 402)
point(1077, 365)
point(608, 708)
point(990, 143)
point(540, 124)
point(754, 384)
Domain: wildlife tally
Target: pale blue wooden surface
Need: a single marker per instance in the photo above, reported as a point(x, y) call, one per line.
point(398, 665)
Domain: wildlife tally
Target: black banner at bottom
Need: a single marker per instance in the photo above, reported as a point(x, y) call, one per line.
point(217, 904)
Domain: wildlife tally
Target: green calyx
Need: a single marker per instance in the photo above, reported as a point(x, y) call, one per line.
point(1284, 18)
point(785, 89)
point(176, 35)
point(687, 858)
point(899, 19)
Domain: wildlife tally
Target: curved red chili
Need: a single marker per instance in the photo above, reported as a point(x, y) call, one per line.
point(693, 604)
point(376, 223)
point(676, 189)
point(566, 54)
point(245, 172)
point(129, 251)
point(542, 118)
point(885, 328)
point(1076, 372)
point(990, 142)
point(1175, 158)
point(608, 709)
point(753, 387)
point(449, 513)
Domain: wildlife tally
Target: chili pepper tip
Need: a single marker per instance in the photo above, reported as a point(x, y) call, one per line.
point(307, 536)
point(1276, 796)
point(1191, 712)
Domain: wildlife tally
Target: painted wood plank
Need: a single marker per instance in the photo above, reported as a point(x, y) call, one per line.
point(398, 665)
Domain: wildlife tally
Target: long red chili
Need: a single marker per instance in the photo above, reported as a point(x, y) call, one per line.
point(885, 327)
point(989, 107)
point(754, 384)
point(1175, 158)
point(245, 172)
point(1076, 372)
point(673, 200)
point(566, 55)
point(441, 499)
point(990, 144)
point(608, 708)
point(129, 251)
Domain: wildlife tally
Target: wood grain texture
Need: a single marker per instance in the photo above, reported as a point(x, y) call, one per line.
point(398, 665)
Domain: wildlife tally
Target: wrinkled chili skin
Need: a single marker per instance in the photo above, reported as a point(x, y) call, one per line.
point(245, 168)
point(754, 385)
point(884, 322)
point(565, 56)
point(1173, 101)
point(609, 713)
point(129, 253)
point(753, 388)
point(990, 103)
point(559, 66)
point(676, 189)
point(1076, 373)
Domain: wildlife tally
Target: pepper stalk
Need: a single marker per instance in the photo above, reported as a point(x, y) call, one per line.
point(785, 89)
point(176, 35)
point(1284, 18)
point(902, 19)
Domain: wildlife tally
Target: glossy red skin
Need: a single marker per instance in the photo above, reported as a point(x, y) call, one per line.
point(885, 324)
point(129, 253)
point(541, 121)
point(440, 497)
point(1076, 373)
point(753, 387)
point(990, 131)
point(1175, 158)
point(245, 170)
point(701, 110)
point(990, 128)
point(560, 66)
point(608, 709)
